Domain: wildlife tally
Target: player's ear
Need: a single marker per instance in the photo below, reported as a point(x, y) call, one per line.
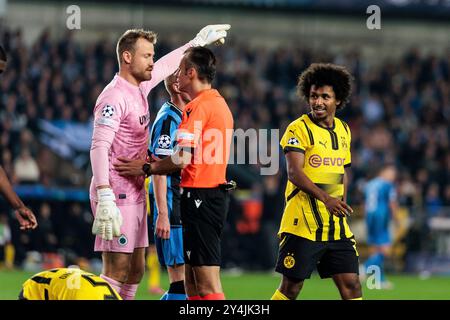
point(192, 73)
point(174, 88)
point(127, 57)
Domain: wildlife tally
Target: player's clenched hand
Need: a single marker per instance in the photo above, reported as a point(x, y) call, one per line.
point(337, 207)
point(213, 33)
point(108, 218)
point(129, 167)
point(162, 228)
point(26, 218)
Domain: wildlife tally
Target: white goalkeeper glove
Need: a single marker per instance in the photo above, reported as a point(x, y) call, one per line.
point(108, 219)
point(213, 33)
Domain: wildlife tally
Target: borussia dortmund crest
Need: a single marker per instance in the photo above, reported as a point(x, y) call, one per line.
point(289, 261)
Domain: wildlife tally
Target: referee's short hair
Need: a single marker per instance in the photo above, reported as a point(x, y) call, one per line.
point(203, 61)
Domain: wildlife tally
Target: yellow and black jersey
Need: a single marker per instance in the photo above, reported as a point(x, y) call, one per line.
point(327, 152)
point(67, 284)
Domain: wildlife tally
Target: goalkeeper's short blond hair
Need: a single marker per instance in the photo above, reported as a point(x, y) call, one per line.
point(128, 40)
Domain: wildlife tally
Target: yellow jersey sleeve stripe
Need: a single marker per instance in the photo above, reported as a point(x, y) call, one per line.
point(311, 137)
point(295, 149)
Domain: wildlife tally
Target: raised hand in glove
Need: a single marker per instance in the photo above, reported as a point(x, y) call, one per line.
point(213, 33)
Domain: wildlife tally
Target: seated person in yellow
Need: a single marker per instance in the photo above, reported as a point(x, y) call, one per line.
point(67, 284)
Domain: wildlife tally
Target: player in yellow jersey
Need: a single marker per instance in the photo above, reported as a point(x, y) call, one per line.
point(153, 267)
point(67, 284)
point(314, 230)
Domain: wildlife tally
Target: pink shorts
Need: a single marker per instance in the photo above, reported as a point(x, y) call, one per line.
point(134, 232)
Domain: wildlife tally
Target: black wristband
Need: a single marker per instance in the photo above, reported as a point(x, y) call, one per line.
point(147, 168)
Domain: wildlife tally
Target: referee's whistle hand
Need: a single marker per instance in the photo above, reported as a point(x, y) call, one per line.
point(129, 167)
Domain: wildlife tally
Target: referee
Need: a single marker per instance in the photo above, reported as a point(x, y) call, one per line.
point(204, 140)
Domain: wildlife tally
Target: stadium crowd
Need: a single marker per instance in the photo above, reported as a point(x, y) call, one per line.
point(399, 112)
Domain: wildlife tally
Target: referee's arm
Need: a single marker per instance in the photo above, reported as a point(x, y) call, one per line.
point(179, 160)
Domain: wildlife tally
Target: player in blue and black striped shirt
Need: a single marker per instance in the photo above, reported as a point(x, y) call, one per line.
point(164, 191)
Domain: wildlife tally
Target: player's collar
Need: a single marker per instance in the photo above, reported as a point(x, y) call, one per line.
point(127, 84)
point(318, 124)
point(175, 108)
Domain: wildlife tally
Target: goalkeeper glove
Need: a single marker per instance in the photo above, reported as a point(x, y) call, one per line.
point(108, 219)
point(212, 33)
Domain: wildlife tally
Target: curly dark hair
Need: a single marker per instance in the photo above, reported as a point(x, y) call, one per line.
point(326, 74)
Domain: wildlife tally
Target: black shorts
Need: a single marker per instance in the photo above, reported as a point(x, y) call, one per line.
point(298, 257)
point(203, 214)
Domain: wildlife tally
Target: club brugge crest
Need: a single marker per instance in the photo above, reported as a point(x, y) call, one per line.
point(122, 240)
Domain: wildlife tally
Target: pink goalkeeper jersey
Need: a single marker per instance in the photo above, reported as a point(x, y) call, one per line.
point(121, 121)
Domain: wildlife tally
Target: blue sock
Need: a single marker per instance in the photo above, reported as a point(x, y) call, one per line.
point(176, 291)
point(176, 296)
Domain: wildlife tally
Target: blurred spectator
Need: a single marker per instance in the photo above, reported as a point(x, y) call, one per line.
point(76, 236)
point(44, 238)
point(26, 169)
point(433, 203)
point(272, 200)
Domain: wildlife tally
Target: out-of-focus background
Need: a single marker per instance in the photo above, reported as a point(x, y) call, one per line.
point(399, 112)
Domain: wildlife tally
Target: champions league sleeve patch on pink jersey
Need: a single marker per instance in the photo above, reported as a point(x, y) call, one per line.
point(108, 111)
point(106, 117)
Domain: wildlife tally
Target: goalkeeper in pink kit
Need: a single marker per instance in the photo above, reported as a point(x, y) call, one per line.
point(121, 129)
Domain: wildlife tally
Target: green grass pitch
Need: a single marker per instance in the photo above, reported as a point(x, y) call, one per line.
point(260, 286)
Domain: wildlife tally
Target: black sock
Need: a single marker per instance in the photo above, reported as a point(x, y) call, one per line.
point(177, 287)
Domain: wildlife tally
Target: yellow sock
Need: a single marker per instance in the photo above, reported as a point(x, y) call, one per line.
point(154, 278)
point(360, 298)
point(10, 252)
point(279, 296)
